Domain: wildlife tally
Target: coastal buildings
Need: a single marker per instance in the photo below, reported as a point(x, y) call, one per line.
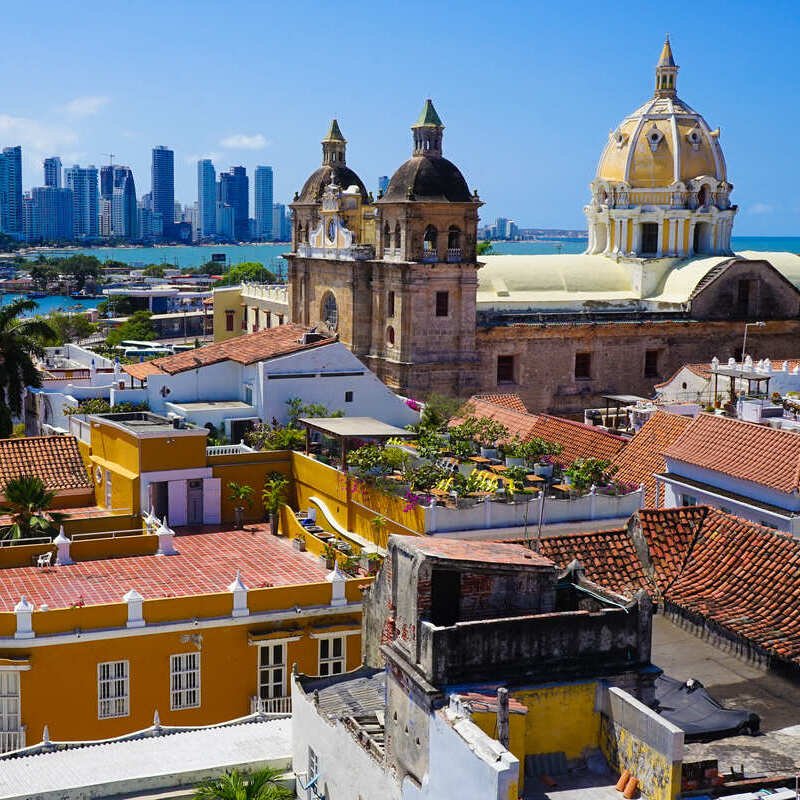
point(85, 200)
point(163, 187)
point(233, 189)
point(52, 172)
point(50, 216)
point(399, 280)
point(119, 212)
point(11, 191)
point(281, 230)
point(263, 203)
point(206, 200)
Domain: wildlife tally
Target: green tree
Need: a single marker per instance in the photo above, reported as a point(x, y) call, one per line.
point(69, 327)
point(249, 271)
point(118, 306)
point(153, 271)
point(79, 268)
point(262, 784)
point(43, 275)
point(138, 327)
point(20, 345)
point(484, 248)
point(28, 502)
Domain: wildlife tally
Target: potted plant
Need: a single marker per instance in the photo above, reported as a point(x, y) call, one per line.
point(328, 556)
point(350, 566)
point(378, 525)
point(273, 495)
point(584, 473)
point(371, 562)
point(299, 543)
point(544, 467)
point(514, 452)
point(241, 495)
point(487, 433)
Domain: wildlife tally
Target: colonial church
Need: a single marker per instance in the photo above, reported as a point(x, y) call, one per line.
point(397, 276)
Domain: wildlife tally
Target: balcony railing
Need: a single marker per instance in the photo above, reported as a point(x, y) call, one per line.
point(228, 449)
point(12, 740)
point(273, 705)
point(454, 255)
point(358, 252)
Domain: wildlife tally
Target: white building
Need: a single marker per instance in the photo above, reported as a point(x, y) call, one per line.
point(237, 382)
point(738, 467)
point(206, 199)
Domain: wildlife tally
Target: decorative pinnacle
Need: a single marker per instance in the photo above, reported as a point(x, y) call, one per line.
point(334, 133)
point(428, 117)
point(666, 59)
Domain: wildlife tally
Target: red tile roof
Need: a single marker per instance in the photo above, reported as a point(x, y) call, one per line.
point(206, 564)
point(55, 459)
point(577, 439)
point(512, 401)
point(247, 349)
point(744, 579)
point(483, 551)
point(741, 450)
point(608, 558)
point(644, 454)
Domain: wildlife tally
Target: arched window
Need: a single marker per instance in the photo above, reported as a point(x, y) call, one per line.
point(429, 241)
point(330, 311)
point(397, 234)
point(453, 237)
point(387, 235)
point(390, 335)
point(703, 196)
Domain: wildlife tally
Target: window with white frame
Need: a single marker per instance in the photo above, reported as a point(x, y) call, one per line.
point(9, 710)
point(271, 670)
point(184, 681)
point(331, 655)
point(113, 689)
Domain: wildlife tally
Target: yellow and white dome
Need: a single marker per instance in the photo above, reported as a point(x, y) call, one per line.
point(662, 166)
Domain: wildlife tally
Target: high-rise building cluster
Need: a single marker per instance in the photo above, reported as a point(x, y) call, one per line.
point(89, 204)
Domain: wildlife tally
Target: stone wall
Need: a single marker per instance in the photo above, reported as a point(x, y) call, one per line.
point(545, 356)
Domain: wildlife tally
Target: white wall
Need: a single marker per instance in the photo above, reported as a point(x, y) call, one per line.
point(221, 381)
point(465, 763)
point(371, 397)
point(346, 770)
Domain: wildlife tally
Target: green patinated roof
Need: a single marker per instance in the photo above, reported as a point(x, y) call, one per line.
point(334, 133)
point(428, 116)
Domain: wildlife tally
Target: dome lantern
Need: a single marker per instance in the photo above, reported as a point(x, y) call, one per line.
point(666, 72)
point(428, 132)
point(334, 146)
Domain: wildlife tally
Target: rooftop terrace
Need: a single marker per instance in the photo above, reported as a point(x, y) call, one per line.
point(206, 563)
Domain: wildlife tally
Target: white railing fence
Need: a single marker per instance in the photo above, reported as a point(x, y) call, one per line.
point(273, 705)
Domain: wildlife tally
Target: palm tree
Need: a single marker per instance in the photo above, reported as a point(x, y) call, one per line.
point(234, 785)
point(28, 500)
point(20, 339)
point(273, 495)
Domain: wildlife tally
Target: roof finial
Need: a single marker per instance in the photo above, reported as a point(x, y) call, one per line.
point(427, 132)
point(666, 72)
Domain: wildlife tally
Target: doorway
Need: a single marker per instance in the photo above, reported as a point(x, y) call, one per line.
point(194, 502)
point(445, 597)
point(649, 238)
point(702, 238)
point(159, 499)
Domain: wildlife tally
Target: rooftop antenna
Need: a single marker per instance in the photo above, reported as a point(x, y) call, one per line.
point(110, 157)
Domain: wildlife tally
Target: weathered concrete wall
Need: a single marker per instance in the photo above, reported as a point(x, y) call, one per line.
point(637, 739)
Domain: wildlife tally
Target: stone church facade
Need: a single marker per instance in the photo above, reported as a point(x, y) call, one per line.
point(398, 279)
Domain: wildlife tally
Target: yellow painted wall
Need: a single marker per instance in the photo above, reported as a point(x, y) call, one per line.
point(659, 778)
point(228, 299)
point(172, 452)
point(561, 717)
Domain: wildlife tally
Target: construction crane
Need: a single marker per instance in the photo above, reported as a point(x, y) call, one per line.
point(110, 157)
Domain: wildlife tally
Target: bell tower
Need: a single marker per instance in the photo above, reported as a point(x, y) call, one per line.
point(666, 72)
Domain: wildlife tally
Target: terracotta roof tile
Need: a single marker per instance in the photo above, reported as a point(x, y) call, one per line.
point(247, 349)
point(608, 558)
point(55, 459)
point(644, 454)
point(577, 439)
point(742, 450)
point(512, 401)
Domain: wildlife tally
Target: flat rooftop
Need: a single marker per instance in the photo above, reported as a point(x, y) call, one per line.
point(175, 760)
point(206, 564)
point(216, 405)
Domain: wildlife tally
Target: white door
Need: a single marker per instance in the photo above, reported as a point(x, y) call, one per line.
point(10, 727)
point(176, 510)
point(194, 502)
point(212, 493)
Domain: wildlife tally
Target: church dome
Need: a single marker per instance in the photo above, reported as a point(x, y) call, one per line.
point(664, 142)
point(427, 175)
point(334, 169)
point(428, 178)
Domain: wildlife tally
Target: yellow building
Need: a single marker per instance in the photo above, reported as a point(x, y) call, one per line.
point(247, 308)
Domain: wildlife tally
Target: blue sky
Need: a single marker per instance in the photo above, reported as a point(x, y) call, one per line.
point(528, 90)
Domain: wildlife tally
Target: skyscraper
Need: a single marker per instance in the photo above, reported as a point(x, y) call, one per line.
point(49, 212)
point(85, 200)
point(263, 203)
point(11, 191)
point(279, 222)
point(124, 209)
point(234, 191)
point(206, 199)
point(383, 184)
point(163, 186)
point(52, 172)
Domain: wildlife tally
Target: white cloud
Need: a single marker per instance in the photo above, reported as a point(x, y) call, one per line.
point(193, 158)
point(86, 106)
point(760, 208)
point(38, 141)
point(242, 141)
